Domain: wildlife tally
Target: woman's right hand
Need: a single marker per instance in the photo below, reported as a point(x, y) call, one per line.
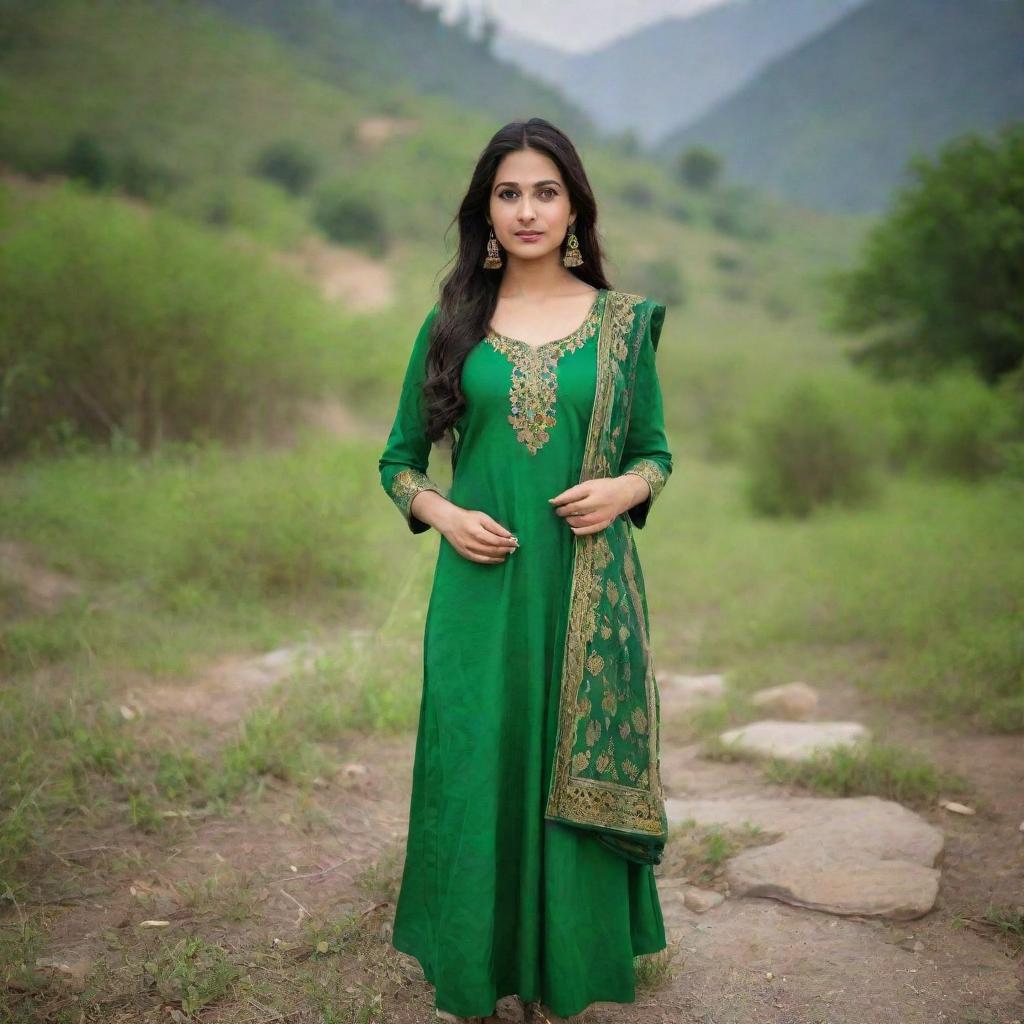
point(478, 537)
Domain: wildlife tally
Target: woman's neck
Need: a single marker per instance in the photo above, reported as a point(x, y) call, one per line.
point(536, 279)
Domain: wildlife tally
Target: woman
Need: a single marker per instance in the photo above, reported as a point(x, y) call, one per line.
point(537, 810)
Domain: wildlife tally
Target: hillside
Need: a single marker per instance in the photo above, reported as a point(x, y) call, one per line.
point(657, 80)
point(401, 44)
point(190, 99)
point(833, 124)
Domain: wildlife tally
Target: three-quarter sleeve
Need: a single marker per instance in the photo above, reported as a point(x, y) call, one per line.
point(645, 451)
point(403, 463)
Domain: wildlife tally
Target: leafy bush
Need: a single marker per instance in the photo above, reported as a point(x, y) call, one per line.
point(351, 217)
point(637, 194)
point(141, 177)
point(955, 426)
point(805, 453)
point(127, 326)
point(86, 160)
point(288, 164)
point(681, 212)
point(700, 167)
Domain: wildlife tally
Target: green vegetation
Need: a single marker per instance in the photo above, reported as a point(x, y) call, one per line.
point(916, 600)
point(809, 452)
point(871, 769)
point(168, 500)
point(941, 279)
point(160, 333)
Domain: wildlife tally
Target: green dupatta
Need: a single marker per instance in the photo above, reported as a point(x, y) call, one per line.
point(606, 774)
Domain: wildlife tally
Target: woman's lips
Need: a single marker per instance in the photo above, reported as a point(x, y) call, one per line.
point(529, 236)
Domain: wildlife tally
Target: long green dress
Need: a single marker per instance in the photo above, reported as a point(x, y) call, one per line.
point(495, 899)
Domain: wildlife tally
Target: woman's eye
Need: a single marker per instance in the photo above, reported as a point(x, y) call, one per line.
point(504, 192)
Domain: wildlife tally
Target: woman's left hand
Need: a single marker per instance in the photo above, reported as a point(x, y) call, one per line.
point(595, 504)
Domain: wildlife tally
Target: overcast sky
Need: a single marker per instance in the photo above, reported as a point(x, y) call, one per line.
point(575, 25)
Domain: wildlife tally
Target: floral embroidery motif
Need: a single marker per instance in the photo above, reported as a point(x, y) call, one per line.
point(618, 790)
point(406, 484)
point(535, 379)
point(652, 473)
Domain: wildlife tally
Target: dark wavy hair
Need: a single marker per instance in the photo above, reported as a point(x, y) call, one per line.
point(469, 293)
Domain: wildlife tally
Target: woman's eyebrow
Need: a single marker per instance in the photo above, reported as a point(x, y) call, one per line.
point(546, 181)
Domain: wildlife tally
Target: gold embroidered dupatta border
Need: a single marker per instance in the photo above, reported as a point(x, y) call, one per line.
point(593, 786)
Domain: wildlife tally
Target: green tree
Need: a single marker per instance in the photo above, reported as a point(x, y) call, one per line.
point(700, 167)
point(941, 278)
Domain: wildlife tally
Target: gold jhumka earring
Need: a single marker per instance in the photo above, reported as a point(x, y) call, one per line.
point(572, 257)
point(493, 260)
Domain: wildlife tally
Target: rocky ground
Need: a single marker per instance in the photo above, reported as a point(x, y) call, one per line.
point(813, 910)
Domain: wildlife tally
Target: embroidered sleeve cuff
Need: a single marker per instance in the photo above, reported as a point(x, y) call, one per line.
point(656, 478)
point(405, 485)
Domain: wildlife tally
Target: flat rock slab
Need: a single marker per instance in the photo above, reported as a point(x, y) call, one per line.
point(680, 693)
point(793, 741)
point(861, 855)
point(840, 970)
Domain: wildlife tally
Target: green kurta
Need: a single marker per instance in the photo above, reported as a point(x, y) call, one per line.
point(495, 899)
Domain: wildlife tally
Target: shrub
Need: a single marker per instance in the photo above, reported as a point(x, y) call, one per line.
point(351, 217)
point(288, 164)
point(637, 194)
point(86, 160)
point(141, 177)
point(805, 453)
point(118, 324)
point(737, 212)
point(954, 426)
point(700, 167)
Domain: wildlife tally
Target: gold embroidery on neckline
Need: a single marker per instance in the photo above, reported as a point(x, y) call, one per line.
point(534, 378)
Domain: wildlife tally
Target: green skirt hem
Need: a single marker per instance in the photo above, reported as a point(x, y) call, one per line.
point(527, 997)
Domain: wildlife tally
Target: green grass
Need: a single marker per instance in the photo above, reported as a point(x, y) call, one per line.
point(192, 974)
point(179, 558)
point(1009, 922)
point(918, 599)
point(697, 853)
point(870, 769)
point(200, 535)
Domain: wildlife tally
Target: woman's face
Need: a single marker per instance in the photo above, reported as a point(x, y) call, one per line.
point(528, 194)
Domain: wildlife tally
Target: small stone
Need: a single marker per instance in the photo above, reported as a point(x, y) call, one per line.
point(952, 805)
point(796, 701)
point(701, 900)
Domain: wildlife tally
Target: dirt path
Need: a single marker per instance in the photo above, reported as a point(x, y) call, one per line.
point(759, 960)
point(267, 879)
